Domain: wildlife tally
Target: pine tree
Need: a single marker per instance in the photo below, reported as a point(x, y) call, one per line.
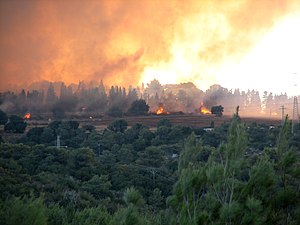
point(286, 200)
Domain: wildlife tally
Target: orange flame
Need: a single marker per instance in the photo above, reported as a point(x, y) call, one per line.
point(203, 109)
point(27, 116)
point(161, 110)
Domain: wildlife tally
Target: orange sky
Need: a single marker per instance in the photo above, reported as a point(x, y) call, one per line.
point(129, 42)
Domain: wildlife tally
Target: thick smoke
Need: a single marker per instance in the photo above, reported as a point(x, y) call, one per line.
point(117, 40)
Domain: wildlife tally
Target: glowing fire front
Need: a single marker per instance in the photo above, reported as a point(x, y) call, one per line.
point(204, 110)
point(27, 116)
point(161, 110)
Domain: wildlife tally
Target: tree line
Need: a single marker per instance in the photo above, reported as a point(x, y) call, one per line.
point(58, 99)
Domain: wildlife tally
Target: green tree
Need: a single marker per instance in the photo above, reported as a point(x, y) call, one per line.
point(151, 157)
point(118, 126)
point(126, 154)
point(156, 200)
point(92, 216)
point(57, 215)
point(208, 190)
point(15, 124)
point(133, 132)
point(99, 187)
point(258, 192)
point(132, 196)
point(189, 190)
point(82, 163)
point(47, 136)
point(164, 122)
point(138, 107)
point(223, 174)
point(217, 110)
point(130, 215)
point(3, 117)
point(27, 211)
point(193, 153)
point(286, 200)
point(33, 135)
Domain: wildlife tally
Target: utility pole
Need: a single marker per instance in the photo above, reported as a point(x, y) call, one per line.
point(295, 114)
point(282, 114)
point(153, 171)
point(295, 119)
point(99, 149)
point(58, 142)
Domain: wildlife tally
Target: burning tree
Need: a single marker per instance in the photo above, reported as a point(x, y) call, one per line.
point(203, 109)
point(161, 109)
point(27, 116)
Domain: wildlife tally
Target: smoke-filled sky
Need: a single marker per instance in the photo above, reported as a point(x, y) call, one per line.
point(242, 44)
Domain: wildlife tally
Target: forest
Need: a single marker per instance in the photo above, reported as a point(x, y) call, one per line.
point(233, 174)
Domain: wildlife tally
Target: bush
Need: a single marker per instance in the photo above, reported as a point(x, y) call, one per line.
point(3, 117)
point(217, 110)
point(15, 124)
point(138, 107)
point(118, 126)
point(25, 211)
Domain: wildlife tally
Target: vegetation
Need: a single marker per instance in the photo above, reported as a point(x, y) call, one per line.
point(15, 124)
point(3, 117)
point(138, 107)
point(176, 175)
point(217, 110)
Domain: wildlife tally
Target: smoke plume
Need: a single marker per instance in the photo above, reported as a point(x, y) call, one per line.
point(126, 42)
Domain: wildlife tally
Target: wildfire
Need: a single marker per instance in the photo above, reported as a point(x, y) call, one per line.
point(204, 110)
point(27, 116)
point(161, 110)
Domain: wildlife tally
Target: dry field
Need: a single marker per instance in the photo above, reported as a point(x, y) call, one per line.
point(193, 120)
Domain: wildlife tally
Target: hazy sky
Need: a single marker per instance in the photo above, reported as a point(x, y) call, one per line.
point(244, 43)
